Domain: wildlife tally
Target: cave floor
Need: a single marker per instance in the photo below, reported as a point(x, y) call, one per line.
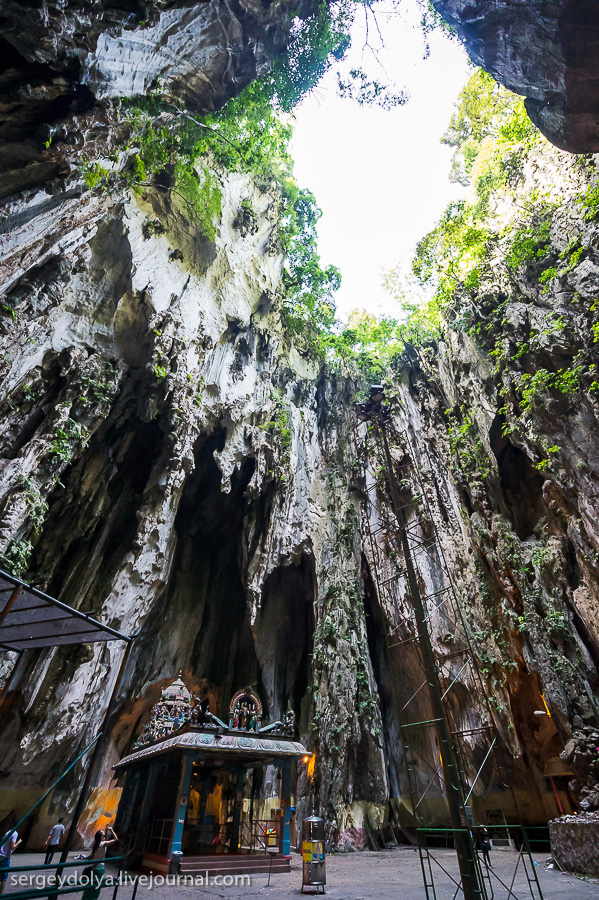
point(392, 875)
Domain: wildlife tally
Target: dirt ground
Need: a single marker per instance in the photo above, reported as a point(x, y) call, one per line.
point(392, 875)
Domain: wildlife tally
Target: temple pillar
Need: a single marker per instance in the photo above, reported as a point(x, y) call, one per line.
point(286, 807)
point(127, 802)
point(237, 811)
point(204, 796)
point(181, 804)
point(146, 805)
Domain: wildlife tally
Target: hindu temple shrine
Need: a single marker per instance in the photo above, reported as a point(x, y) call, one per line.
point(189, 788)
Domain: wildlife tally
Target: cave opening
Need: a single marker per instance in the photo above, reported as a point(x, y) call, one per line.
point(201, 621)
point(284, 631)
point(521, 483)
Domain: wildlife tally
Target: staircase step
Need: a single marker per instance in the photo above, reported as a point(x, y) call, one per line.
point(235, 863)
point(231, 865)
point(248, 870)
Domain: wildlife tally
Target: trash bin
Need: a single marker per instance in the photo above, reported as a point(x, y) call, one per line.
point(313, 864)
point(95, 879)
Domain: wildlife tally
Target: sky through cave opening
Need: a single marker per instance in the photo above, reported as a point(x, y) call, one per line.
point(381, 176)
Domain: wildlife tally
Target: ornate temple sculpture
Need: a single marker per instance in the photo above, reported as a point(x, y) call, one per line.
point(245, 711)
point(168, 715)
point(280, 727)
point(178, 707)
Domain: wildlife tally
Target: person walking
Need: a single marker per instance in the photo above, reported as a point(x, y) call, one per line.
point(485, 846)
point(10, 842)
point(53, 840)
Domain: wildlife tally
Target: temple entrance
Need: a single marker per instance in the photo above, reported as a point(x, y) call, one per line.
point(210, 820)
point(192, 786)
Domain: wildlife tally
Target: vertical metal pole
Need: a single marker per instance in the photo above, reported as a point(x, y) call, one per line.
point(464, 845)
point(252, 795)
point(237, 810)
point(286, 804)
point(9, 604)
point(81, 800)
point(181, 805)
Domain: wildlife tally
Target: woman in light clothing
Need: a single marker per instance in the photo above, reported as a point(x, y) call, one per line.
point(102, 840)
point(9, 844)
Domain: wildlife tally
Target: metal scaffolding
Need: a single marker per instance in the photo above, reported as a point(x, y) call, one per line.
point(446, 760)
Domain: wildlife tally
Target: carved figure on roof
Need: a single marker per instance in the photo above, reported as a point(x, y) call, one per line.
point(168, 715)
point(245, 711)
point(280, 727)
point(200, 712)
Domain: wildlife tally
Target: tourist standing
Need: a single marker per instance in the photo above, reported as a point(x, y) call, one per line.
point(10, 842)
point(53, 840)
point(94, 874)
point(485, 846)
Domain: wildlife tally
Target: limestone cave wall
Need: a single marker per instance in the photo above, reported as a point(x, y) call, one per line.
point(172, 463)
point(546, 51)
point(502, 418)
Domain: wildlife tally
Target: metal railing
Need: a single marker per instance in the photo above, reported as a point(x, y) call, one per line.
point(262, 835)
point(58, 883)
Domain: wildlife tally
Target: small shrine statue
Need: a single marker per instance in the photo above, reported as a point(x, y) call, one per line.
point(280, 726)
point(200, 712)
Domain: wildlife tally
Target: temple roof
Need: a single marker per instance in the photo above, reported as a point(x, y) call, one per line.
point(212, 746)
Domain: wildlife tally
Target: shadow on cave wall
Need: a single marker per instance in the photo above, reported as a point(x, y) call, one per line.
point(201, 623)
point(88, 531)
point(284, 631)
point(385, 677)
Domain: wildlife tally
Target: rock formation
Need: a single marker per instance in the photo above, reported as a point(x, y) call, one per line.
point(174, 463)
point(546, 51)
point(582, 753)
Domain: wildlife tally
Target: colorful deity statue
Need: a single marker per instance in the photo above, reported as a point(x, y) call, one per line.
point(245, 711)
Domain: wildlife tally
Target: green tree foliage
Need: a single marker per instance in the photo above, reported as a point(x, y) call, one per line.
point(492, 136)
point(482, 108)
point(309, 305)
point(376, 344)
point(367, 91)
point(314, 44)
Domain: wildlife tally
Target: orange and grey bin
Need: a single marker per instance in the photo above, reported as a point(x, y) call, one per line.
point(314, 866)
